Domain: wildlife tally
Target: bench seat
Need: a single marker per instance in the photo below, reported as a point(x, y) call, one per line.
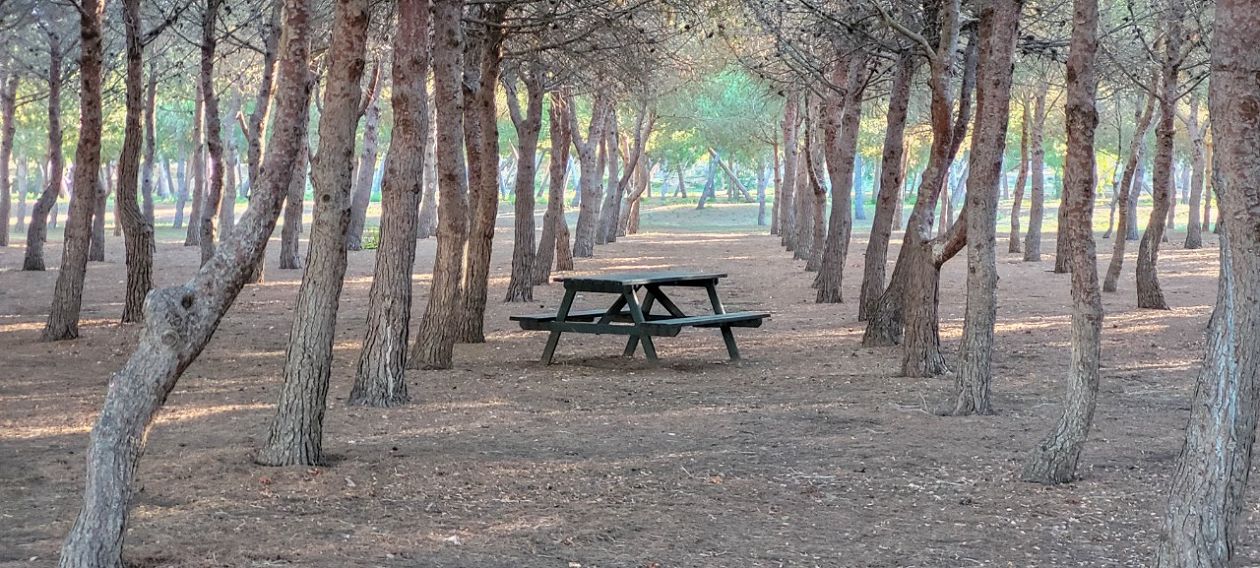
point(727, 320)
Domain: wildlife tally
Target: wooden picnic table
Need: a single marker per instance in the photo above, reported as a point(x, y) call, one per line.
point(629, 316)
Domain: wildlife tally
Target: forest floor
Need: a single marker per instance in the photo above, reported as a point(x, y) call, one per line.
point(810, 452)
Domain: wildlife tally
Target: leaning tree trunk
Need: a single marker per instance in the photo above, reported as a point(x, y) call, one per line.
point(891, 179)
point(253, 129)
point(435, 340)
point(484, 188)
point(840, 138)
point(528, 126)
point(197, 163)
point(296, 435)
point(554, 233)
point(137, 223)
point(612, 213)
point(8, 113)
point(1037, 163)
point(1054, 460)
point(179, 322)
point(1206, 501)
point(214, 138)
point(1194, 229)
point(63, 317)
point(999, 20)
point(37, 229)
point(379, 378)
point(362, 196)
point(1149, 293)
point(1021, 180)
point(1126, 197)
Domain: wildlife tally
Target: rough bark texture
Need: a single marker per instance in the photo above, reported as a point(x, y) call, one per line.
point(587, 147)
point(291, 231)
point(804, 193)
point(8, 113)
point(1054, 460)
point(482, 147)
point(213, 197)
point(296, 435)
point(1021, 180)
point(528, 126)
point(179, 322)
point(428, 203)
point(1149, 293)
point(197, 167)
point(787, 191)
point(366, 173)
point(840, 126)
point(1126, 198)
point(137, 225)
point(37, 229)
point(100, 199)
point(1194, 228)
point(553, 242)
point(379, 374)
point(1206, 501)
point(63, 317)
point(1037, 165)
point(611, 214)
point(891, 180)
point(147, 180)
point(435, 340)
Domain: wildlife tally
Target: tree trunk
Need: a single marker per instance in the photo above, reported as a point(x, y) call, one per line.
point(787, 192)
point(612, 142)
point(21, 182)
point(891, 180)
point(379, 376)
point(482, 148)
point(363, 181)
point(179, 322)
point(1194, 228)
point(37, 229)
point(584, 234)
point(818, 206)
point(262, 99)
point(613, 212)
point(843, 111)
point(428, 203)
point(553, 243)
point(1209, 182)
point(999, 20)
point(63, 317)
point(296, 436)
point(214, 139)
point(198, 166)
point(150, 155)
point(1054, 460)
point(1126, 197)
point(529, 127)
point(778, 185)
point(8, 113)
point(1207, 495)
point(291, 231)
point(803, 243)
point(137, 221)
point(1149, 294)
point(762, 181)
point(227, 209)
point(181, 197)
point(1037, 165)
point(435, 340)
point(100, 202)
point(1021, 180)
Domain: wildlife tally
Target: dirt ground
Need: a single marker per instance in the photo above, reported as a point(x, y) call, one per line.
point(811, 452)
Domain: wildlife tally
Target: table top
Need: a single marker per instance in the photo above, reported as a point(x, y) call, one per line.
point(639, 278)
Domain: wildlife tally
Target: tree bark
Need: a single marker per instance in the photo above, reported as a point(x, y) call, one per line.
point(999, 20)
point(150, 155)
point(37, 229)
point(1128, 182)
point(380, 379)
point(1194, 228)
point(528, 127)
point(553, 243)
point(1149, 293)
point(428, 203)
point(1202, 526)
point(296, 435)
point(891, 180)
point(136, 221)
point(587, 147)
point(100, 200)
point(840, 137)
point(8, 113)
point(787, 192)
point(197, 164)
point(179, 322)
point(291, 231)
point(1055, 459)
point(435, 340)
point(366, 173)
point(1037, 165)
point(63, 316)
point(213, 197)
point(612, 212)
point(1021, 180)
point(181, 197)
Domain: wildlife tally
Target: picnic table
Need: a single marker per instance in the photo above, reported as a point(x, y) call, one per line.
point(629, 316)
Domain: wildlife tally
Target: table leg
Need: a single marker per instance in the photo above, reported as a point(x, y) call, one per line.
point(648, 300)
point(553, 338)
point(665, 301)
point(637, 313)
point(727, 335)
